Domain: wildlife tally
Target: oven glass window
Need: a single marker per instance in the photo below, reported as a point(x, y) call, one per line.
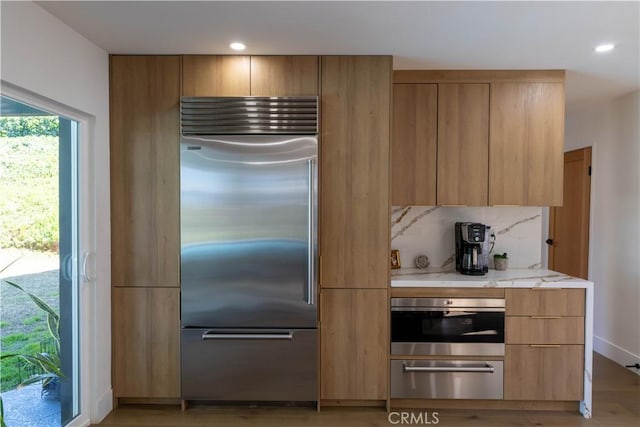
point(447, 326)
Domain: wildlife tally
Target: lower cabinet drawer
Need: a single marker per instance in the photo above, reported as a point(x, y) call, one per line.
point(446, 379)
point(544, 372)
point(544, 330)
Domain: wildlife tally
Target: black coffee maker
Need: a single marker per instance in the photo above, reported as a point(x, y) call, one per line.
point(472, 248)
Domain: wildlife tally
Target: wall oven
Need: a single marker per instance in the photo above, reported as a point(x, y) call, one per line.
point(447, 327)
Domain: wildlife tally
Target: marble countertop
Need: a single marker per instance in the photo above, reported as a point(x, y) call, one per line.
point(513, 278)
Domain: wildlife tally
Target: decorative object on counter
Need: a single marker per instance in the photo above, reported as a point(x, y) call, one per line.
point(501, 262)
point(395, 259)
point(422, 261)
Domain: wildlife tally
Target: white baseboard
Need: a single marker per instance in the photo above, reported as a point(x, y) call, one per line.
point(102, 407)
point(615, 353)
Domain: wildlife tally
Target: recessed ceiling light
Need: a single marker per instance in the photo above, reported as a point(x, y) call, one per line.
point(237, 46)
point(604, 47)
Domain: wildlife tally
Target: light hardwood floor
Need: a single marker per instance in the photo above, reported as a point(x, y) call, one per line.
point(616, 396)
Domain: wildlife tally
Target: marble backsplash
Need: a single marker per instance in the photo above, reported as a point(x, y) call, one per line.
point(428, 230)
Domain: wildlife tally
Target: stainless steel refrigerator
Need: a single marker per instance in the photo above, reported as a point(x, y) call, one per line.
point(248, 194)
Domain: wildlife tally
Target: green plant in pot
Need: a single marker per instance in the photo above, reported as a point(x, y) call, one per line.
point(46, 363)
point(501, 261)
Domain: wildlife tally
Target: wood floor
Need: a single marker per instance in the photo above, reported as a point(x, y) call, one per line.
point(616, 403)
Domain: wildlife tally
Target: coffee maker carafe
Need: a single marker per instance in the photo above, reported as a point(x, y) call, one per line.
point(472, 248)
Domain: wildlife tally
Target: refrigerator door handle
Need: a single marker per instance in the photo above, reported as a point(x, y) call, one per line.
point(311, 236)
point(212, 335)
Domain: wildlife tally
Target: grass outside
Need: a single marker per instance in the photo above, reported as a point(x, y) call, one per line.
point(23, 326)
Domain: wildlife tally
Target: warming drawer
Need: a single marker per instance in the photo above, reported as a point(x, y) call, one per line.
point(446, 379)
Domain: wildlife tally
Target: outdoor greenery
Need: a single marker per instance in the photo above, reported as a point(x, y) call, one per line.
point(29, 188)
point(29, 126)
point(45, 363)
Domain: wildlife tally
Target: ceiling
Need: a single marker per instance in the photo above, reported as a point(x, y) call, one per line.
point(420, 35)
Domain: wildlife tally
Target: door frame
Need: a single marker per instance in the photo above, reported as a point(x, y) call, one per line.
point(86, 262)
point(585, 268)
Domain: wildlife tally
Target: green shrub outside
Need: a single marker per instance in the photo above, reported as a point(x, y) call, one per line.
point(29, 189)
point(29, 126)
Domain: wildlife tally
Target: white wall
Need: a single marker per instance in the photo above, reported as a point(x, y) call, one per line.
point(612, 128)
point(43, 55)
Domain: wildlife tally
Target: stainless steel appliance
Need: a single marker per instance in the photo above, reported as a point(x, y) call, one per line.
point(447, 327)
point(445, 379)
point(248, 196)
point(472, 248)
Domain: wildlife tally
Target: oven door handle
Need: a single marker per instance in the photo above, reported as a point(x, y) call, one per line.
point(484, 368)
point(451, 309)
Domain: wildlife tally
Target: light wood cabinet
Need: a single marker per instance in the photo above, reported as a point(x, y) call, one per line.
point(543, 372)
point(146, 342)
point(500, 137)
point(544, 351)
point(544, 302)
point(145, 242)
point(216, 75)
point(463, 144)
point(284, 75)
point(354, 344)
point(526, 143)
point(414, 146)
point(354, 172)
point(544, 330)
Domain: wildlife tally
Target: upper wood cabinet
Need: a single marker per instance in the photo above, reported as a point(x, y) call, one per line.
point(463, 144)
point(145, 207)
point(355, 344)
point(284, 75)
point(215, 75)
point(354, 172)
point(413, 146)
point(526, 144)
point(146, 342)
point(499, 137)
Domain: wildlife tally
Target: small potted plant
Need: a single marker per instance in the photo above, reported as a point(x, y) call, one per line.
point(501, 261)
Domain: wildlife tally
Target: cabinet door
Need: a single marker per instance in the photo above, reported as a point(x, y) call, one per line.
point(526, 144)
point(207, 75)
point(284, 75)
point(543, 372)
point(463, 144)
point(354, 171)
point(413, 147)
point(146, 342)
point(354, 344)
point(145, 240)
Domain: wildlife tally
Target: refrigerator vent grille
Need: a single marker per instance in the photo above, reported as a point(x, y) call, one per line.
point(249, 115)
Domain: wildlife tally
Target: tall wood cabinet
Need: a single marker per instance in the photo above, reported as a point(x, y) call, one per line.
point(354, 172)
point(354, 226)
point(145, 242)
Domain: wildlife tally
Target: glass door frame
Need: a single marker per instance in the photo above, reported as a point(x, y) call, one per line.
point(84, 264)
